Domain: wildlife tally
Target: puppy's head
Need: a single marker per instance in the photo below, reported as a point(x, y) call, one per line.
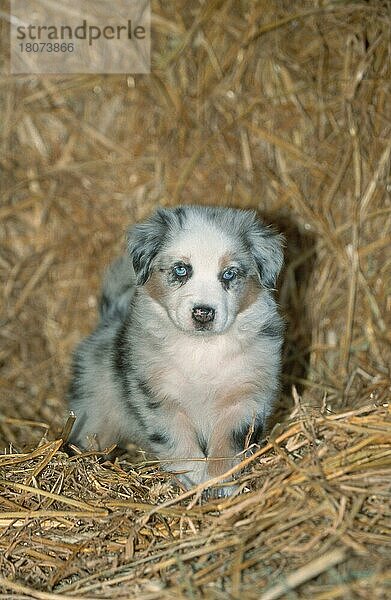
point(204, 265)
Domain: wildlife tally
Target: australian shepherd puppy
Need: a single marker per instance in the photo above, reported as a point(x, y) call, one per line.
point(185, 360)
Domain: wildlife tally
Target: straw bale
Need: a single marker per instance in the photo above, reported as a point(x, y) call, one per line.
point(279, 106)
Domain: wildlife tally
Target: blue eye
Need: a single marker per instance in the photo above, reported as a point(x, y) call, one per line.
point(180, 271)
point(229, 274)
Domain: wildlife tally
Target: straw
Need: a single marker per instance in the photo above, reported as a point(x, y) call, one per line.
point(279, 107)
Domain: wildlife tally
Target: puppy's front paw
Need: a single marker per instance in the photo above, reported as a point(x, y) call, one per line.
point(220, 492)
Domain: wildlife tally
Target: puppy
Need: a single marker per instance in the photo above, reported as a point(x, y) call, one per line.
point(185, 360)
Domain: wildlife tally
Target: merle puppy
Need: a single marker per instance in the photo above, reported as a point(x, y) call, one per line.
point(185, 360)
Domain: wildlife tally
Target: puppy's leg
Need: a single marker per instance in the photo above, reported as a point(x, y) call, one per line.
point(94, 394)
point(233, 432)
point(177, 445)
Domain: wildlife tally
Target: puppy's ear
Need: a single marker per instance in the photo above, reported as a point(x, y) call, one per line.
point(145, 240)
point(266, 246)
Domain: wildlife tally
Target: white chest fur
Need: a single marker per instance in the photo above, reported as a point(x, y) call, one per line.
point(204, 376)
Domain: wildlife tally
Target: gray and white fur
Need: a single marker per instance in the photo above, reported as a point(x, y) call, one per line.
point(185, 360)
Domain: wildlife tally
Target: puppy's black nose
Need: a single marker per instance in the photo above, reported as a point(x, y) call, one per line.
point(203, 314)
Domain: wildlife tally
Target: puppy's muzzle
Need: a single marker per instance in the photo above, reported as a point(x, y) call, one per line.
point(203, 314)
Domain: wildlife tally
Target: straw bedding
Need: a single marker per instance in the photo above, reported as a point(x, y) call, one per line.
point(278, 106)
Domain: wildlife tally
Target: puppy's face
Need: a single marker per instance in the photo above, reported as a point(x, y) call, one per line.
point(204, 268)
point(202, 284)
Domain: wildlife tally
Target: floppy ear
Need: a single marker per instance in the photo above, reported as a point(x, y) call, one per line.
point(266, 247)
point(145, 240)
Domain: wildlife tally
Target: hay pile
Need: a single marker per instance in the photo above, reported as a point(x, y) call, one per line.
point(283, 107)
point(89, 530)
